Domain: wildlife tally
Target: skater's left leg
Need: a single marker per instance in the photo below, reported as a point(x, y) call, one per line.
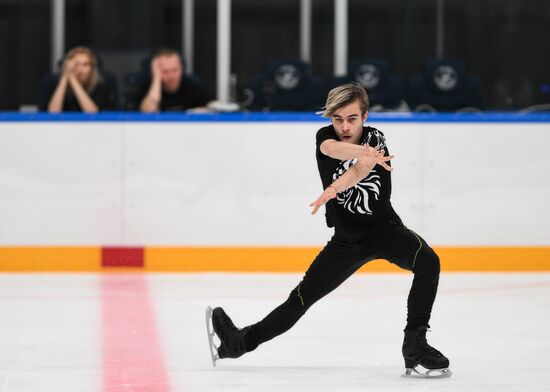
point(409, 251)
point(426, 268)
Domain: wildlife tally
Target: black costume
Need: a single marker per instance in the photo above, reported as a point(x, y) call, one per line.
point(366, 228)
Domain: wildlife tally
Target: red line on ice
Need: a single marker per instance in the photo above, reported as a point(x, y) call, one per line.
point(132, 352)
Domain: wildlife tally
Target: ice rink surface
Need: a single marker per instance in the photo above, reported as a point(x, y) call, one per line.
point(146, 333)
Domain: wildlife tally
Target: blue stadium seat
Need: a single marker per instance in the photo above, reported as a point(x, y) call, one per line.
point(288, 86)
point(444, 86)
point(386, 90)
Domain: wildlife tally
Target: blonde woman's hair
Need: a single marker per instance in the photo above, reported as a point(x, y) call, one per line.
point(95, 77)
point(343, 95)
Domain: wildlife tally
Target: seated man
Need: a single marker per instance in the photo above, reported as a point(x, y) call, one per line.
point(170, 90)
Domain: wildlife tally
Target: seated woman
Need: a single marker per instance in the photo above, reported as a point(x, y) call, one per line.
point(80, 87)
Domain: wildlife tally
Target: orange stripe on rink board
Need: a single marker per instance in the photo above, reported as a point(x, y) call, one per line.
point(50, 259)
point(248, 259)
point(488, 259)
point(297, 259)
point(230, 259)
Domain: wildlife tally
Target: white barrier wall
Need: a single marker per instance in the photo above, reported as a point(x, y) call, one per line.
point(248, 183)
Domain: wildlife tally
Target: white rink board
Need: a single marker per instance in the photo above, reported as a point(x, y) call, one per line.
point(247, 183)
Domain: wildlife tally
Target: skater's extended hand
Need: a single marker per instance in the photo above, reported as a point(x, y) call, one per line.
point(376, 157)
point(328, 194)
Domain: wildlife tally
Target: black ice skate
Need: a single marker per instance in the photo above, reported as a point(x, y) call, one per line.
point(232, 343)
point(417, 351)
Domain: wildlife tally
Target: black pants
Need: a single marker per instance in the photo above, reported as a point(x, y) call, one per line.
point(339, 260)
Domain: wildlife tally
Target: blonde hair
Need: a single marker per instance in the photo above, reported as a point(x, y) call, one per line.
point(344, 95)
point(95, 77)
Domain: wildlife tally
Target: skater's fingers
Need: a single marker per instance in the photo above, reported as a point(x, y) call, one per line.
point(386, 166)
point(321, 200)
point(315, 209)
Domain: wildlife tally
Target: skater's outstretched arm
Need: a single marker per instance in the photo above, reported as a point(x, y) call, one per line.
point(355, 174)
point(341, 150)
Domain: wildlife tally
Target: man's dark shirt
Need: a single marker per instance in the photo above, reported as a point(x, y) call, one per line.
point(191, 94)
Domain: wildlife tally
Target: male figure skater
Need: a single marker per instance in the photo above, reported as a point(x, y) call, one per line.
point(353, 162)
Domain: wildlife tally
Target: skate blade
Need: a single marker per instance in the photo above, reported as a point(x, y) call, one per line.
point(210, 333)
point(430, 373)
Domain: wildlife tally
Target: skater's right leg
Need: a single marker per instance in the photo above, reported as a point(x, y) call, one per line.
point(232, 339)
point(334, 264)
